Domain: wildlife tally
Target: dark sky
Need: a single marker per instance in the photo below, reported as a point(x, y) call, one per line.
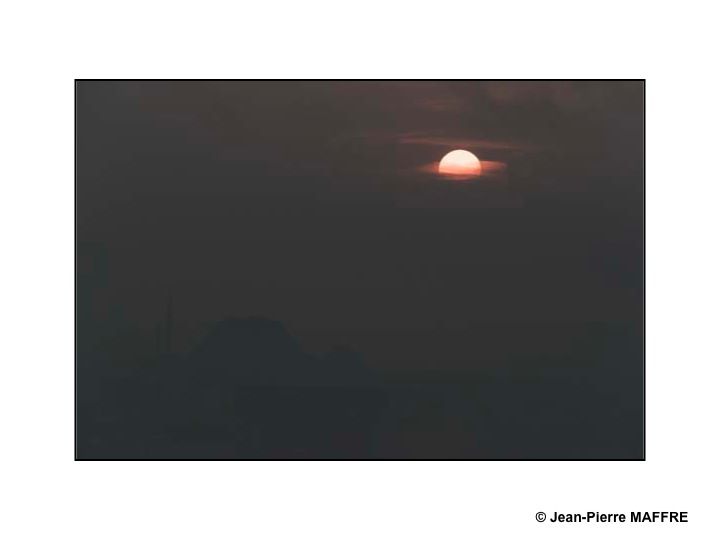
point(314, 203)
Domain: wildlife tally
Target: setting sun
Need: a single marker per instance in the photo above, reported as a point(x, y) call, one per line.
point(460, 163)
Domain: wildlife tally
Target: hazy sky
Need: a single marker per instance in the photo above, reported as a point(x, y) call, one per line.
point(315, 203)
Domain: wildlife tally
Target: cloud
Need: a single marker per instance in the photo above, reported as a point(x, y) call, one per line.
point(462, 142)
point(490, 169)
point(441, 104)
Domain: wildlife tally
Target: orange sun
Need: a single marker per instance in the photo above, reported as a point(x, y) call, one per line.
point(460, 163)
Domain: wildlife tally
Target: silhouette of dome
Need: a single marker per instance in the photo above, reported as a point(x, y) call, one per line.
point(255, 336)
point(250, 350)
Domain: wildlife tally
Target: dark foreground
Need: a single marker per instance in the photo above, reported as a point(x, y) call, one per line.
point(249, 392)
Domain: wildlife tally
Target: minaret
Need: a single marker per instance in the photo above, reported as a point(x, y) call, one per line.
point(168, 326)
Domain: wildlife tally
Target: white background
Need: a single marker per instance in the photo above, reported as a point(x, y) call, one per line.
point(45, 45)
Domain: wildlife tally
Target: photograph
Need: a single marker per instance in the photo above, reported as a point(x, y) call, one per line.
point(359, 269)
